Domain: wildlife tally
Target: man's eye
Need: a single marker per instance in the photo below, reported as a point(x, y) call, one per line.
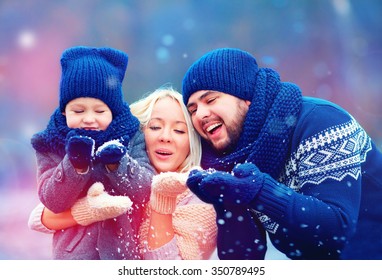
point(211, 100)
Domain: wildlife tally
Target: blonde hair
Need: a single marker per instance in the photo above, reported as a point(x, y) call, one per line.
point(143, 109)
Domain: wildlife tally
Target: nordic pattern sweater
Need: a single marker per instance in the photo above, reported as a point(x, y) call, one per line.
point(335, 171)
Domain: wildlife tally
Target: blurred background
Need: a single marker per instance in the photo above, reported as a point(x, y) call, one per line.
point(330, 48)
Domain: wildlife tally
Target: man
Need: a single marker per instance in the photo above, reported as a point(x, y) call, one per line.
point(300, 168)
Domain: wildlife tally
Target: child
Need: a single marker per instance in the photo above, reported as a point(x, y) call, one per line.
point(92, 116)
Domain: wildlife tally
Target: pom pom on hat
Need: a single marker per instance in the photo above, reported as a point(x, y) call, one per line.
point(227, 70)
point(93, 72)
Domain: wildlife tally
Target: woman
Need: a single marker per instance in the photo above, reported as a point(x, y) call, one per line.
point(178, 225)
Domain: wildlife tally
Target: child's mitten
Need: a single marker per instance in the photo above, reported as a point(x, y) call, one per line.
point(111, 152)
point(80, 150)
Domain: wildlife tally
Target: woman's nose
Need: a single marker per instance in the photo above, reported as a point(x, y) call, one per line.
point(165, 136)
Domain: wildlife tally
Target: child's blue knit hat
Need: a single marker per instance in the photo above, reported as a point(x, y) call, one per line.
point(227, 70)
point(93, 72)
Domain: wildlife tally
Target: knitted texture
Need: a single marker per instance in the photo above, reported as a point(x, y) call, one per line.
point(90, 72)
point(80, 150)
point(98, 205)
point(227, 70)
point(196, 230)
point(272, 115)
point(34, 221)
point(165, 188)
point(267, 129)
point(194, 226)
point(93, 72)
point(111, 152)
point(53, 139)
point(218, 187)
point(240, 235)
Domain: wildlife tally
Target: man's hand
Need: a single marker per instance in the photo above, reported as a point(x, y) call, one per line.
point(237, 188)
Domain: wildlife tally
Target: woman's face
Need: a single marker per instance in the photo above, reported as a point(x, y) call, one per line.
point(166, 136)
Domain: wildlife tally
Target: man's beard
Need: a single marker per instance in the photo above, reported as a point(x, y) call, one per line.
point(234, 130)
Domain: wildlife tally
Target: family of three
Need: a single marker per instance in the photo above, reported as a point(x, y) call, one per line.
point(138, 183)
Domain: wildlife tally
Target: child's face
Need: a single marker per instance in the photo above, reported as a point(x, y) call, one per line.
point(166, 136)
point(88, 113)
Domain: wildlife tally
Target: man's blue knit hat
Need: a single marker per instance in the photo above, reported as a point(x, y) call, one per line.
point(227, 70)
point(93, 72)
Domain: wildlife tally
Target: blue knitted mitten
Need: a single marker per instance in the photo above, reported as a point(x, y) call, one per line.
point(80, 150)
point(111, 152)
point(237, 188)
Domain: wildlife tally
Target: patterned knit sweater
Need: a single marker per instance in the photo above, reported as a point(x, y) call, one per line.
point(335, 209)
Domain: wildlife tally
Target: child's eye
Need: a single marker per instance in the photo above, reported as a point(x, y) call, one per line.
point(180, 131)
point(78, 111)
point(100, 111)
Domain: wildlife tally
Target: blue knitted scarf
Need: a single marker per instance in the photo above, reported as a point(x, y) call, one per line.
point(53, 138)
point(267, 130)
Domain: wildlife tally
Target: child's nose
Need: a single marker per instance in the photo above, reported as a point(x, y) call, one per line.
point(89, 118)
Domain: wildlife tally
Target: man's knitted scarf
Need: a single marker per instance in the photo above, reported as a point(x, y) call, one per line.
point(53, 138)
point(267, 130)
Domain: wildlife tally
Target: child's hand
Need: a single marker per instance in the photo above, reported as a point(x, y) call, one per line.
point(80, 150)
point(111, 152)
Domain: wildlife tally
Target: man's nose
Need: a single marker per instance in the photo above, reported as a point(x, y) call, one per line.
point(202, 112)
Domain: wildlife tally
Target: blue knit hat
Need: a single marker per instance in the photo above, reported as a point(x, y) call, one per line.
point(227, 70)
point(93, 72)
